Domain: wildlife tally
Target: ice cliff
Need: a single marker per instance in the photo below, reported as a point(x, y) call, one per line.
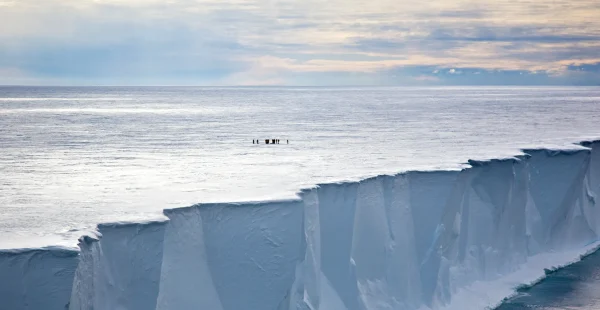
point(32, 279)
point(415, 240)
point(119, 268)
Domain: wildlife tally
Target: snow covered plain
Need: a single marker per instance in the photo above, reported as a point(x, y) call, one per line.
point(458, 236)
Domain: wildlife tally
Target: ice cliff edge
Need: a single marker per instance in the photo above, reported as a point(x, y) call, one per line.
point(415, 240)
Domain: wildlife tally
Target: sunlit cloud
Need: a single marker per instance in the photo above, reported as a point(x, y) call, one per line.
point(262, 42)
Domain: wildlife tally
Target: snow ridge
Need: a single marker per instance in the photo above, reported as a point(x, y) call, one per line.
point(416, 240)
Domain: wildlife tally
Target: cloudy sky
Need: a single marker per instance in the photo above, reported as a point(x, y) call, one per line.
point(299, 42)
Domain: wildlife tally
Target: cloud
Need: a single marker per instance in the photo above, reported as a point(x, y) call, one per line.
point(285, 42)
point(427, 78)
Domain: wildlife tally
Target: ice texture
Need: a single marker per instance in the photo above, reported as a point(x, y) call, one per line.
point(460, 239)
point(32, 279)
point(119, 268)
point(230, 256)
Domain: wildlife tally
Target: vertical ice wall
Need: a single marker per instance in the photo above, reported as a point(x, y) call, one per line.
point(559, 193)
point(363, 249)
point(414, 239)
point(594, 171)
point(33, 279)
point(230, 256)
point(120, 268)
point(593, 185)
point(482, 234)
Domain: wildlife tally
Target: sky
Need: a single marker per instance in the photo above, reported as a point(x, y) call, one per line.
point(299, 42)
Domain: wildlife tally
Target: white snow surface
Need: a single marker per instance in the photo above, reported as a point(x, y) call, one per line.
point(453, 239)
point(71, 158)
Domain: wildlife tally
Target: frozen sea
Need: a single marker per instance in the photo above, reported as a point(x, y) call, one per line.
point(73, 157)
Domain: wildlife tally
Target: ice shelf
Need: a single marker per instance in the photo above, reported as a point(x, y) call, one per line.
point(459, 239)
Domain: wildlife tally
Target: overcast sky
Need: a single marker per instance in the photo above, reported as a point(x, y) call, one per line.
point(300, 42)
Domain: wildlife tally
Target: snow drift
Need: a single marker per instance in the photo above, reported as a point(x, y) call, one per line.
point(415, 240)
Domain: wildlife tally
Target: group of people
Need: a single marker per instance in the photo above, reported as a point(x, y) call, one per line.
point(270, 141)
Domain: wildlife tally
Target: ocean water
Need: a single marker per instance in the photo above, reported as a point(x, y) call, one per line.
point(73, 157)
point(576, 286)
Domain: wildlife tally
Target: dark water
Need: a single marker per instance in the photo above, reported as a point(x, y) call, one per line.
point(573, 287)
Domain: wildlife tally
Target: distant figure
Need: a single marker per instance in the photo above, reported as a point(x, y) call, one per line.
point(288, 141)
point(252, 141)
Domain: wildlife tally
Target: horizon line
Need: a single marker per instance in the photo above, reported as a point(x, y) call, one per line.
point(314, 86)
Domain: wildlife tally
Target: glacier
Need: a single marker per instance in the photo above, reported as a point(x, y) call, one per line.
point(451, 239)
